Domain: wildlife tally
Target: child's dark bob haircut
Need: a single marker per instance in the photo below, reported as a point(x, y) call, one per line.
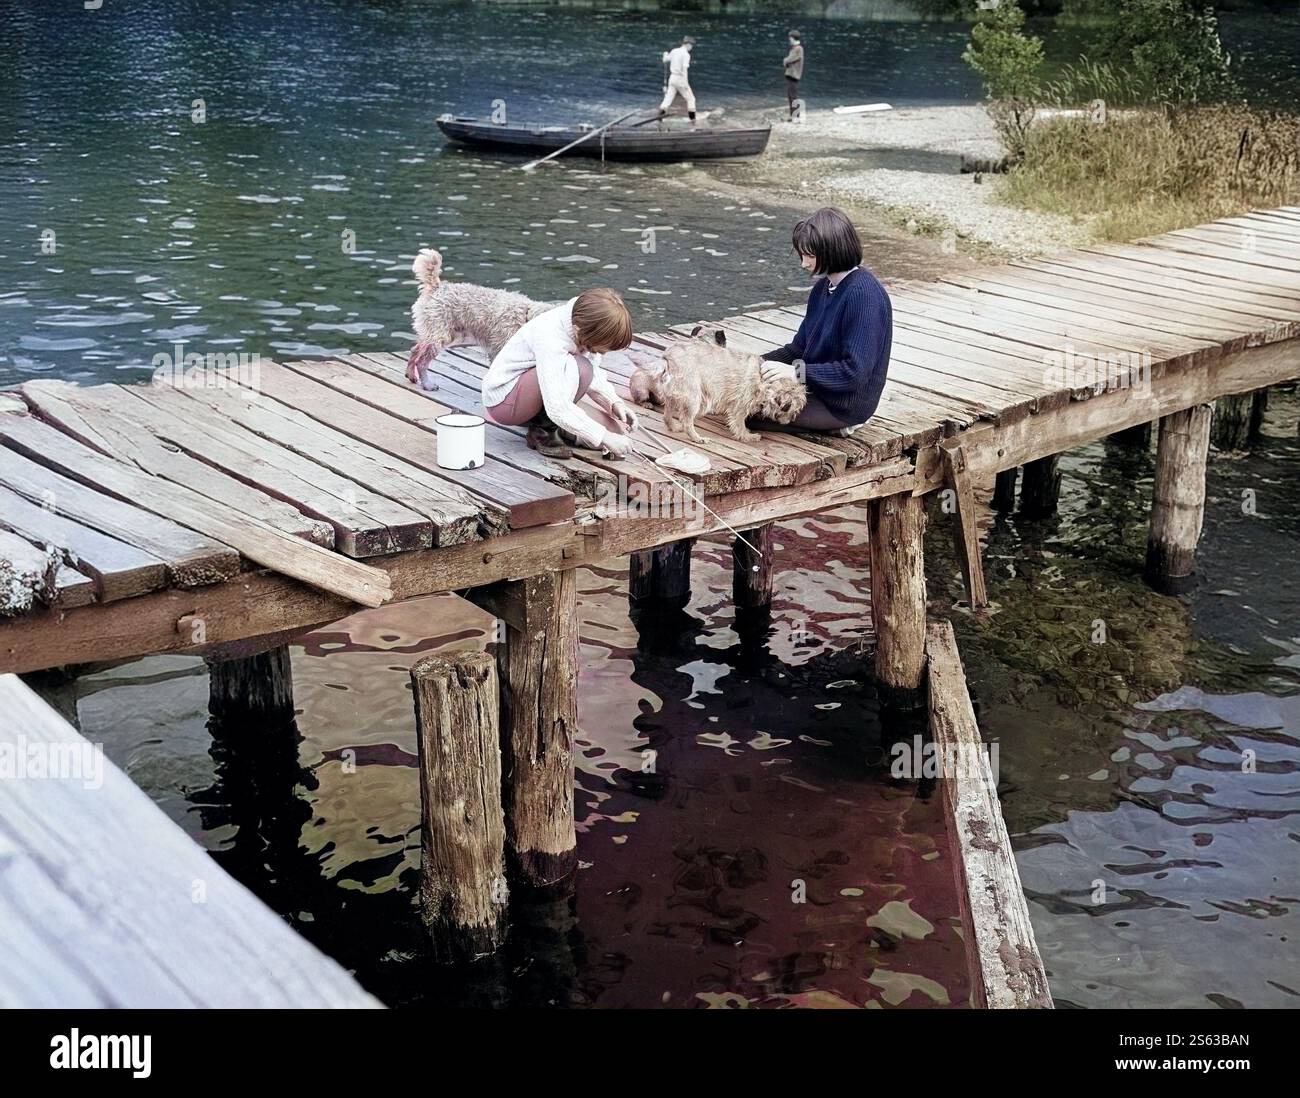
point(830, 238)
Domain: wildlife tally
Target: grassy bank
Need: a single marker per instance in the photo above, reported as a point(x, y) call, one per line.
point(1147, 172)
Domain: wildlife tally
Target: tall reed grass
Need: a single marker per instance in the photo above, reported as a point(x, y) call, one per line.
point(1148, 171)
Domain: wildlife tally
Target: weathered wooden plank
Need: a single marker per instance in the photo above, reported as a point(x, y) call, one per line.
point(72, 588)
point(1203, 268)
point(107, 903)
point(265, 545)
point(264, 603)
point(456, 517)
point(421, 408)
point(1006, 968)
point(365, 524)
point(66, 405)
point(118, 569)
point(526, 500)
point(1254, 264)
point(191, 559)
point(967, 538)
point(1065, 299)
point(589, 473)
point(991, 449)
point(27, 574)
point(1055, 329)
point(1164, 298)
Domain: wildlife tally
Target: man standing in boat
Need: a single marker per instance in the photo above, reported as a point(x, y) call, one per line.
point(793, 70)
point(679, 64)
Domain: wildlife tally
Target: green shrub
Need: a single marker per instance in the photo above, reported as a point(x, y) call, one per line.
point(1170, 49)
point(1009, 62)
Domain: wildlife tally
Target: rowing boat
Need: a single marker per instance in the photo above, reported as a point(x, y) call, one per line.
point(631, 142)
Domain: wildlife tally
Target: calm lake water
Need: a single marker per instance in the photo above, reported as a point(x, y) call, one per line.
point(1158, 872)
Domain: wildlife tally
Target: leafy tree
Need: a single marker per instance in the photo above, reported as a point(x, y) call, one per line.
point(1009, 62)
point(1171, 49)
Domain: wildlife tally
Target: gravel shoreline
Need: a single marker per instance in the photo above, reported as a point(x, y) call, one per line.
point(906, 166)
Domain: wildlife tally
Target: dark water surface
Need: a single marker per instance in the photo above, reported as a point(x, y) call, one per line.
point(229, 234)
point(1159, 872)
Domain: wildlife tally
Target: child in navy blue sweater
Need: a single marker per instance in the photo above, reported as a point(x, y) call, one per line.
point(842, 347)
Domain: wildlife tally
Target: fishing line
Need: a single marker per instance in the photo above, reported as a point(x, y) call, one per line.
point(739, 535)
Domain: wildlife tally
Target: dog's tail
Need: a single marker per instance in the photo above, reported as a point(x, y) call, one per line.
point(427, 269)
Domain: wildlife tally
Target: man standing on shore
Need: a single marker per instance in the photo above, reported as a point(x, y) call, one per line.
point(793, 70)
point(679, 64)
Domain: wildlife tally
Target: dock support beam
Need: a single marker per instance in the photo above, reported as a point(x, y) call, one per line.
point(1004, 490)
point(1238, 419)
point(661, 577)
point(539, 716)
point(896, 528)
point(462, 873)
point(751, 569)
point(254, 689)
point(1041, 488)
point(966, 534)
point(1179, 504)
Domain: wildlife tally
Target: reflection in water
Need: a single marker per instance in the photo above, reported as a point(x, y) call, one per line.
point(1150, 746)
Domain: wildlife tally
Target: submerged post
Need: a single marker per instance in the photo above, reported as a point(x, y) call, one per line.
point(1040, 491)
point(538, 662)
point(896, 529)
point(1138, 436)
point(662, 576)
point(1238, 420)
point(751, 569)
point(462, 874)
point(1004, 490)
point(1178, 508)
point(257, 688)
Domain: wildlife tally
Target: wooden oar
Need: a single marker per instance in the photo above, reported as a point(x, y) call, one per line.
point(585, 137)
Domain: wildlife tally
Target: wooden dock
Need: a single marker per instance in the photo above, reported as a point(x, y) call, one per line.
point(236, 509)
point(107, 903)
point(141, 519)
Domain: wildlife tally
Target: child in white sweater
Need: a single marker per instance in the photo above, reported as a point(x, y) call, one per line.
point(550, 364)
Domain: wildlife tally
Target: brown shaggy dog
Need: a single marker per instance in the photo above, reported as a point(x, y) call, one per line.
point(700, 376)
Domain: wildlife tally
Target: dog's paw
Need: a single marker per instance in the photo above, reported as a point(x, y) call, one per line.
point(747, 436)
point(428, 383)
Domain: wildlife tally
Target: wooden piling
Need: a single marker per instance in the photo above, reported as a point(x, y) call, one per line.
point(1178, 508)
point(1004, 491)
point(662, 576)
point(751, 569)
point(538, 662)
point(1238, 420)
point(1040, 491)
point(253, 688)
point(462, 872)
point(1137, 437)
point(896, 529)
